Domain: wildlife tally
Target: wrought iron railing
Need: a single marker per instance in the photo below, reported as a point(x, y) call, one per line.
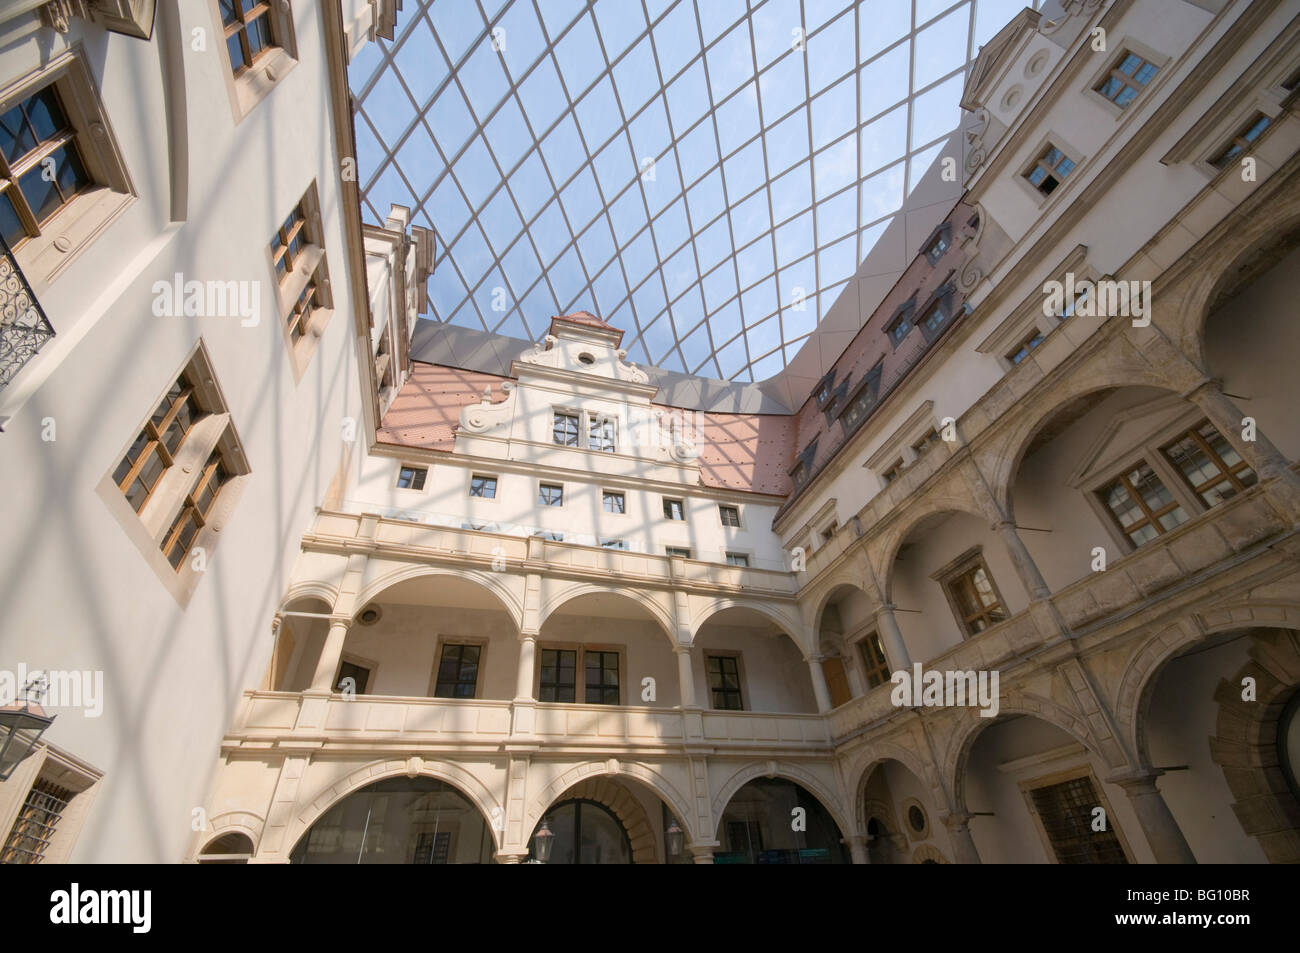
point(24, 328)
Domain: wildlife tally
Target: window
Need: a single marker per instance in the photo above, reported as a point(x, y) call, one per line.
point(359, 674)
point(154, 449)
point(927, 441)
point(433, 847)
point(250, 34)
point(1242, 142)
point(196, 511)
point(565, 430)
point(550, 494)
point(974, 597)
point(612, 543)
point(602, 677)
point(828, 533)
point(825, 388)
point(1065, 811)
point(458, 671)
point(730, 515)
point(1024, 347)
point(893, 472)
point(724, 682)
point(682, 551)
point(673, 510)
point(802, 468)
point(601, 432)
point(937, 247)
point(1141, 505)
point(411, 478)
point(900, 327)
point(302, 281)
point(863, 399)
point(935, 318)
point(874, 661)
point(36, 135)
point(613, 502)
point(1126, 80)
point(738, 559)
point(1210, 465)
point(558, 675)
point(483, 486)
point(1050, 169)
point(34, 826)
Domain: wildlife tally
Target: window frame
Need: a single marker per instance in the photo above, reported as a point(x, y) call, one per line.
point(417, 473)
point(357, 661)
point(723, 509)
point(1111, 70)
point(1027, 787)
point(670, 505)
point(306, 275)
point(622, 496)
point(964, 565)
point(683, 552)
point(1221, 158)
point(251, 85)
point(1231, 474)
point(485, 477)
point(580, 670)
point(443, 643)
point(558, 501)
point(1049, 171)
point(730, 554)
point(1150, 518)
point(740, 691)
point(870, 666)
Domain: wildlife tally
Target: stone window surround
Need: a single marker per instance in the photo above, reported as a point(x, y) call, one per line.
point(1029, 313)
point(554, 485)
point(740, 522)
point(1125, 45)
point(471, 476)
point(948, 573)
point(402, 465)
point(76, 225)
point(620, 493)
point(899, 443)
point(855, 646)
point(1050, 139)
point(580, 671)
point(1070, 774)
point(54, 765)
point(586, 418)
point(913, 834)
point(444, 640)
point(255, 84)
point(1147, 451)
point(213, 431)
point(311, 263)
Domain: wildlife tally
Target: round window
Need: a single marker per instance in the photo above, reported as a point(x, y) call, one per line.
point(585, 358)
point(916, 817)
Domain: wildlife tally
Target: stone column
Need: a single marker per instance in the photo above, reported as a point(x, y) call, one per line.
point(1162, 831)
point(1026, 568)
point(891, 639)
point(701, 854)
point(527, 661)
point(858, 848)
point(328, 664)
point(686, 675)
point(963, 845)
point(821, 690)
point(1264, 458)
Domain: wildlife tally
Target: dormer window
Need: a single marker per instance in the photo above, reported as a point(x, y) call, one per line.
point(934, 251)
point(825, 390)
point(802, 468)
point(1050, 170)
point(900, 327)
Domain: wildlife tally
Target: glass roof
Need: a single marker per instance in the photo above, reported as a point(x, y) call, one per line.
point(705, 175)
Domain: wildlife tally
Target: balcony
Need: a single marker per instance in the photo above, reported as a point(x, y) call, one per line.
point(24, 328)
point(287, 721)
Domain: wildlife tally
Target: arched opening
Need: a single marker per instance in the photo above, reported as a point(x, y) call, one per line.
point(1215, 717)
point(847, 636)
point(429, 636)
point(1250, 339)
point(775, 821)
point(598, 648)
point(611, 820)
point(232, 848)
point(952, 578)
point(1118, 469)
point(301, 636)
point(743, 661)
point(1038, 795)
point(900, 815)
point(399, 821)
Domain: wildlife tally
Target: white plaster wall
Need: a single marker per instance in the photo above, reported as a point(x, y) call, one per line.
point(774, 676)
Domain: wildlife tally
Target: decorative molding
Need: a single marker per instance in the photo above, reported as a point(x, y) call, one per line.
point(485, 415)
point(543, 353)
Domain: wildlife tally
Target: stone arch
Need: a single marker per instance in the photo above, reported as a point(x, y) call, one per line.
point(657, 612)
point(1143, 669)
point(790, 772)
point(928, 853)
point(309, 591)
point(972, 725)
point(784, 622)
point(865, 764)
point(247, 823)
point(893, 539)
point(664, 789)
point(619, 802)
point(828, 591)
point(310, 811)
point(494, 582)
point(1245, 744)
point(1015, 442)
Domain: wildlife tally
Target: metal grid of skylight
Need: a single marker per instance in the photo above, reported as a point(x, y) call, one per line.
point(705, 175)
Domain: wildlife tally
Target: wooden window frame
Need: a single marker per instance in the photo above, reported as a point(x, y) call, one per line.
point(249, 85)
point(1027, 345)
point(622, 496)
point(1225, 156)
point(1126, 80)
point(418, 473)
point(671, 503)
point(304, 295)
point(1150, 517)
point(723, 508)
point(1050, 170)
point(542, 487)
point(580, 670)
point(154, 443)
point(450, 640)
point(953, 573)
point(485, 477)
point(743, 695)
point(872, 667)
point(1231, 474)
point(192, 511)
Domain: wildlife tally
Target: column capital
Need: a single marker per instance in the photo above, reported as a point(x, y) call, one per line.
point(680, 649)
point(529, 634)
point(1137, 781)
point(957, 821)
point(340, 618)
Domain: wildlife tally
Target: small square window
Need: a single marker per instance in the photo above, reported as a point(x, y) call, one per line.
point(565, 430)
point(1021, 351)
point(553, 536)
point(829, 532)
point(1130, 74)
point(894, 471)
point(1050, 170)
point(738, 559)
point(937, 247)
point(1209, 464)
point(730, 515)
point(359, 675)
point(926, 443)
point(1142, 505)
point(934, 320)
point(678, 551)
point(483, 486)
point(613, 502)
point(550, 494)
point(411, 478)
point(900, 328)
point(1242, 142)
point(673, 510)
point(249, 30)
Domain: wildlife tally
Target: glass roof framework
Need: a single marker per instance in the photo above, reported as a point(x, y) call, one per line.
point(703, 174)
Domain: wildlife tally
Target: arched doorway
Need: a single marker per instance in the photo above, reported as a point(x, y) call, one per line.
point(399, 821)
point(775, 821)
point(584, 832)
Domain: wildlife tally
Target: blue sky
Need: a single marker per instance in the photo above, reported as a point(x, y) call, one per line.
point(706, 176)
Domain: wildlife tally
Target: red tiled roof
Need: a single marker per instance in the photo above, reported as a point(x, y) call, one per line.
point(588, 319)
point(426, 411)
